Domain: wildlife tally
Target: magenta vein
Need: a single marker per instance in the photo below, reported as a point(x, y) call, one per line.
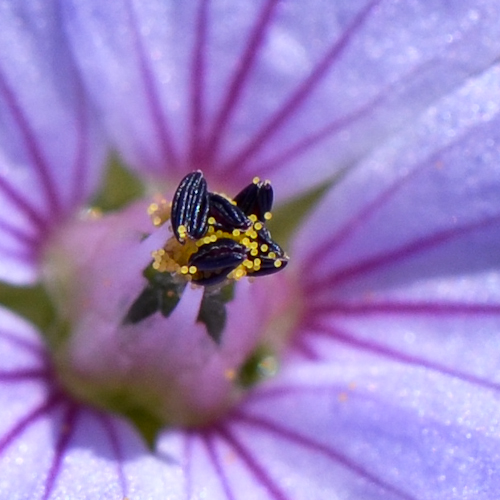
point(311, 140)
point(241, 77)
point(209, 445)
point(66, 431)
point(329, 452)
point(303, 91)
point(394, 307)
point(27, 240)
point(25, 344)
point(32, 146)
point(81, 120)
point(80, 163)
point(24, 422)
point(151, 93)
point(380, 201)
point(198, 81)
point(24, 255)
point(187, 465)
point(24, 374)
point(26, 208)
point(331, 129)
point(398, 356)
point(426, 243)
point(301, 346)
point(110, 429)
point(257, 470)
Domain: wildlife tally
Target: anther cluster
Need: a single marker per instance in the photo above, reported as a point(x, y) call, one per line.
point(217, 238)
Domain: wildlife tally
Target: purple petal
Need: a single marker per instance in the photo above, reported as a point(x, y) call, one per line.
point(105, 458)
point(349, 431)
point(53, 448)
point(49, 149)
point(402, 257)
point(268, 87)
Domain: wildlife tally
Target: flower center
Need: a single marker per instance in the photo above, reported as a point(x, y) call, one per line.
point(161, 326)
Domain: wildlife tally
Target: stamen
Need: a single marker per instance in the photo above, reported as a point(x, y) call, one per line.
point(215, 239)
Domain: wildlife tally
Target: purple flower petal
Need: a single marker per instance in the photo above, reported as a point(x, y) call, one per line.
point(268, 87)
point(349, 431)
point(409, 270)
point(53, 448)
point(49, 149)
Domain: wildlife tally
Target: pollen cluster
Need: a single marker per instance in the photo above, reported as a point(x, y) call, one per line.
point(216, 238)
point(174, 257)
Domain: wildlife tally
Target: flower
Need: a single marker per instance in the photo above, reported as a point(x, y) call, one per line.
point(388, 375)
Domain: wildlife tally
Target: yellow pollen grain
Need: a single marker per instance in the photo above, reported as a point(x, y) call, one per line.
point(264, 248)
point(272, 255)
point(211, 229)
point(159, 212)
point(268, 216)
point(245, 241)
point(236, 232)
point(256, 180)
point(278, 263)
point(182, 231)
point(254, 245)
point(257, 262)
point(258, 226)
point(248, 263)
point(218, 234)
point(253, 217)
point(254, 252)
point(184, 270)
point(213, 238)
point(239, 273)
point(211, 220)
point(192, 269)
point(152, 208)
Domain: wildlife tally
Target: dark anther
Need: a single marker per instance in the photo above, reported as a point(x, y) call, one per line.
point(265, 237)
point(190, 207)
point(221, 254)
point(268, 266)
point(211, 278)
point(227, 215)
point(256, 198)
